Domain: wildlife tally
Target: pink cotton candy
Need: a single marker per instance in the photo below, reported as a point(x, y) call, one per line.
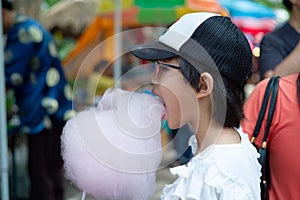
point(114, 150)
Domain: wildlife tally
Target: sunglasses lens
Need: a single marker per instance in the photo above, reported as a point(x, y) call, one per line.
point(161, 68)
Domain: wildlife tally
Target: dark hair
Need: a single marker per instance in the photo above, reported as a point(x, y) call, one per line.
point(287, 4)
point(6, 4)
point(233, 95)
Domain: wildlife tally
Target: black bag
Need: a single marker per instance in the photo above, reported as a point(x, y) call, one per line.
point(271, 89)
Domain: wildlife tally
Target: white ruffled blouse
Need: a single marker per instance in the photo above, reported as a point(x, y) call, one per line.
point(220, 172)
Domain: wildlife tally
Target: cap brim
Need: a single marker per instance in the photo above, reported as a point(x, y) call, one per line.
point(153, 51)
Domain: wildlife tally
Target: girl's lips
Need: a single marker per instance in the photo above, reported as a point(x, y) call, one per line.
point(153, 91)
point(164, 117)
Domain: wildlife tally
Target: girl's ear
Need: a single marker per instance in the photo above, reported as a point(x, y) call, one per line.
point(206, 84)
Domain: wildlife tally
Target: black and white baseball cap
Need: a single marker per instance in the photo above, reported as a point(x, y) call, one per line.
point(197, 36)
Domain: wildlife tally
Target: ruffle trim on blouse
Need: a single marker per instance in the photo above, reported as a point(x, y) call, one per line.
point(204, 183)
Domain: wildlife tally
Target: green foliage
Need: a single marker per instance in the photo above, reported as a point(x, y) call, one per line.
point(51, 2)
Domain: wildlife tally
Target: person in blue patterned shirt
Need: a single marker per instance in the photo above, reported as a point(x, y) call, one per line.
point(43, 96)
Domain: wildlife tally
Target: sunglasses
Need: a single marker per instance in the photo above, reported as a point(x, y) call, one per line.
point(167, 65)
point(162, 68)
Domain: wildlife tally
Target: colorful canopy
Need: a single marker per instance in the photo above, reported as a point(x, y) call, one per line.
point(157, 12)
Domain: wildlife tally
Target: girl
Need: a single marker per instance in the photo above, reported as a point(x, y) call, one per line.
point(202, 62)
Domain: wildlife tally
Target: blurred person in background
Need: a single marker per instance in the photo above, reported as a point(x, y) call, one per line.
point(280, 49)
point(34, 72)
point(283, 138)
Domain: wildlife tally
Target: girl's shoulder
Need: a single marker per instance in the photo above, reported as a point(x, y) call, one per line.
point(205, 179)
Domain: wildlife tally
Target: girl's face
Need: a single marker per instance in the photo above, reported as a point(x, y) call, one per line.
point(179, 98)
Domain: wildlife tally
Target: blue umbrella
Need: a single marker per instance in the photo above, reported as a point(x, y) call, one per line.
point(247, 8)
